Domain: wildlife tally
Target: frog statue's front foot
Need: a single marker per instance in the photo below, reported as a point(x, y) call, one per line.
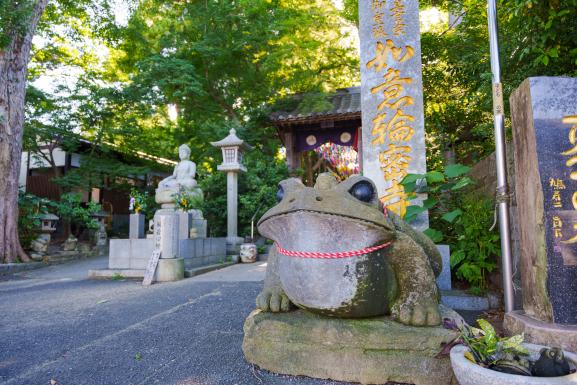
point(423, 312)
point(339, 254)
point(274, 300)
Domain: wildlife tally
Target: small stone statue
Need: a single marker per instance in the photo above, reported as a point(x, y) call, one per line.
point(184, 172)
point(339, 253)
point(101, 237)
point(181, 180)
point(70, 243)
point(551, 363)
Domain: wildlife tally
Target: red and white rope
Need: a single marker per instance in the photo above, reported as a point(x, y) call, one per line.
point(336, 255)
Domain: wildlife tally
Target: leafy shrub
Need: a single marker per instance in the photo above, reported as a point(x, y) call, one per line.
point(71, 209)
point(30, 209)
point(459, 217)
point(487, 348)
point(138, 201)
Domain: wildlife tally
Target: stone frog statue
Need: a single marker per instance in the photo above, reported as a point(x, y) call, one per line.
point(338, 253)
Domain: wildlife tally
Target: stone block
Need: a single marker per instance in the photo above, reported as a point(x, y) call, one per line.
point(539, 332)
point(200, 226)
point(141, 248)
point(184, 224)
point(119, 257)
point(136, 226)
point(444, 279)
point(139, 263)
point(543, 114)
point(169, 270)
point(166, 232)
point(221, 246)
point(369, 351)
point(456, 299)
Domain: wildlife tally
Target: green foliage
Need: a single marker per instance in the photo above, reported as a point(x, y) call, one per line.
point(487, 348)
point(185, 200)
point(474, 246)
point(71, 209)
point(14, 15)
point(31, 208)
point(138, 201)
point(460, 218)
point(537, 38)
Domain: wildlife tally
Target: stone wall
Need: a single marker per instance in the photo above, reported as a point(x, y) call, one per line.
point(485, 174)
point(135, 253)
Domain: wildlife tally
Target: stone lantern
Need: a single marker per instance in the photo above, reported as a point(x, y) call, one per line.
point(48, 225)
point(40, 244)
point(232, 151)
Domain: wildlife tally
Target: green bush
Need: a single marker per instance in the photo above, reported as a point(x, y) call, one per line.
point(459, 217)
point(30, 209)
point(71, 209)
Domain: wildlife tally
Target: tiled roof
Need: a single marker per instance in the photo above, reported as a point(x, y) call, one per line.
point(345, 102)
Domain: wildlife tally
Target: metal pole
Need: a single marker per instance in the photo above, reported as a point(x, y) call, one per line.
point(501, 160)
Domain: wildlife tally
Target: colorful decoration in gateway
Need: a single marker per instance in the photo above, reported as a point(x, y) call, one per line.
point(344, 159)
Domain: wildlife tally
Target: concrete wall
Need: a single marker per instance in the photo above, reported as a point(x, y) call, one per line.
point(135, 253)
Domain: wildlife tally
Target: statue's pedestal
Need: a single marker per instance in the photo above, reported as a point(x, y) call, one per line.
point(166, 227)
point(169, 270)
point(369, 351)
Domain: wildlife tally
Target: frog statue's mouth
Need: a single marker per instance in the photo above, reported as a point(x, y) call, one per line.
point(331, 217)
point(320, 232)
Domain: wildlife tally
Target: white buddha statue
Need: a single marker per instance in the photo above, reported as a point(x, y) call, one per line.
point(184, 172)
point(182, 179)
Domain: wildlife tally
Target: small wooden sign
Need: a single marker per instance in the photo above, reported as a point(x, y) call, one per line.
point(151, 268)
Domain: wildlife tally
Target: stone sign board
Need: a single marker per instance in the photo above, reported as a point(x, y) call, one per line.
point(393, 135)
point(151, 268)
point(544, 117)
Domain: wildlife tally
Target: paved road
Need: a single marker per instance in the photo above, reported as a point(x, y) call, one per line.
point(56, 325)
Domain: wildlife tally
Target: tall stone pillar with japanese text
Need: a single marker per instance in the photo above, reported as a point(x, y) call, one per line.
point(393, 139)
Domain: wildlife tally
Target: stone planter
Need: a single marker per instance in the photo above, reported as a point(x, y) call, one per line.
point(468, 373)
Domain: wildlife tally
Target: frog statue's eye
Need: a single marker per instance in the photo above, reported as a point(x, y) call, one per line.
point(363, 191)
point(279, 194)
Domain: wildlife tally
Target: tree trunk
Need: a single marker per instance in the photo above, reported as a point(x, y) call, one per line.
point(13, 71)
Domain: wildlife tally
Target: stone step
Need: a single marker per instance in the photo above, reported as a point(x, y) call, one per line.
point(206, 269)
point(461, 300)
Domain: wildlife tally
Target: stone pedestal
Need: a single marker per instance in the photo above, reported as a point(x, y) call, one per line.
point(166, 231)
point(169, 270)
point(544, 118)
point(166, 239)
point(370, 351)
point(544, 333)
point(136, 228)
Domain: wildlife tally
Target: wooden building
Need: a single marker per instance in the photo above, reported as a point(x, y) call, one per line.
point(302, 130)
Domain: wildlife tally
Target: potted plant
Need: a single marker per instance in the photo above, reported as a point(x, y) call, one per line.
point(484, 358)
